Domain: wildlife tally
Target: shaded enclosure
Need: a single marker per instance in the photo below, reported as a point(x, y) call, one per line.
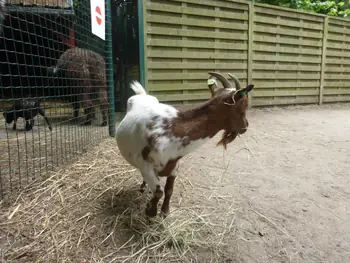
point(35, 36)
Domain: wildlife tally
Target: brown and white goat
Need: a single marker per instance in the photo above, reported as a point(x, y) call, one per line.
point(154, 136)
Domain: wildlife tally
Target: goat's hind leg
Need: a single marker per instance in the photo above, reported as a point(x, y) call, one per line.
point(153, 182)
point(168, 191)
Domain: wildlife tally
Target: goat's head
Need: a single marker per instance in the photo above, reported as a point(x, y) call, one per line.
point(231, 102)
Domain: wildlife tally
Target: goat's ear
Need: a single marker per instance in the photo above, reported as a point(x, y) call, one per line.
point(239, 94)
point(213, 86)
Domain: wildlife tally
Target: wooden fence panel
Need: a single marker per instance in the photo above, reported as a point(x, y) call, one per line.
point(337, 63)
point(186, 39)
point(291, 57)
point(287, 56)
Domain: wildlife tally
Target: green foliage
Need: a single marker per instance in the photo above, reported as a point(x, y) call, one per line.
point(340, 8)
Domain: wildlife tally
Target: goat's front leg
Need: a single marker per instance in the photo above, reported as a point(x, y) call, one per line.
point(168, 191)
point(153, 182)
point(14, 127)
point(42, 113)
point(29, 124)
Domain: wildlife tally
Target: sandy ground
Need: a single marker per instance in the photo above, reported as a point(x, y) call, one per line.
point(292, 189)
point(282, 188)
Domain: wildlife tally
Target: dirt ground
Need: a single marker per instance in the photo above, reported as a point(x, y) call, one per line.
point(280, 193)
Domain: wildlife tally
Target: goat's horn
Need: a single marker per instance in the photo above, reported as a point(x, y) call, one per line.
point(224, 81)
point(236, 80)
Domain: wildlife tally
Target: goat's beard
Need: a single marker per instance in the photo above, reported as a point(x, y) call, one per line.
point(226, 138)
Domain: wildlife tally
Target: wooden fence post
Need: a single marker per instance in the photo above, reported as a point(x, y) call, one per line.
point(250, 50)
point(323, 61)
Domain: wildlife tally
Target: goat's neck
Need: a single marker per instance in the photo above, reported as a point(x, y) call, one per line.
point(198, 123)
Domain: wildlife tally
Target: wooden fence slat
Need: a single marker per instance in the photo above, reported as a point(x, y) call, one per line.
point(336, 91)
point(182, 97)
point(337, 98)
point(287, 84)
point(231, 5)
point(337, 53)
point(285, 58)
point(289, 13)
point(289, 49)
point(280, 76)
point(284, 101)
point(196, 55)
point(196, 44)
point(283, 93)
point(185, 76)
point(194, 33)
point(194, 11)
point(284, 31)
point(286, 67)
point(296, 24)
point(196, 65)
point(273, 39)
point(197, 23)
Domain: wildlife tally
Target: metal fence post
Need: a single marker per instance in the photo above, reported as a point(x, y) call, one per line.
point(141, 25)
point(109, 69)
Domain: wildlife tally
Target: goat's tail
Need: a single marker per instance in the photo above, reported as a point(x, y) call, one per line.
point(137, 88)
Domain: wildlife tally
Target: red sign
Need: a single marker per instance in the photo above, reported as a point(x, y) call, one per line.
point(98, 15)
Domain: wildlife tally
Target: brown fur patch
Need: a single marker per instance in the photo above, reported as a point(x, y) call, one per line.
point(169, 167)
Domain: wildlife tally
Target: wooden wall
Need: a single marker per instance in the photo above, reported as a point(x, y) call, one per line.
point(292, 57)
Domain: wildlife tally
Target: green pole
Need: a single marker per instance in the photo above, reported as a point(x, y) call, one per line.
point(141, 43)
point(109, 70)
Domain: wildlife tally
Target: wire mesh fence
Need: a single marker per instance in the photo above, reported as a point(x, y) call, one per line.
point(56, 87)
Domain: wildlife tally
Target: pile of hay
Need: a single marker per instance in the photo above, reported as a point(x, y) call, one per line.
point(92, 211)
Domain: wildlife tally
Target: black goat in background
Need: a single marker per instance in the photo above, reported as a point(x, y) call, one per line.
point(27, 109)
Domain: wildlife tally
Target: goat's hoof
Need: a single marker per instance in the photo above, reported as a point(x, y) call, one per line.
point(104, 123)
point(151, 211)
point(165, 211)
point(165, 214)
